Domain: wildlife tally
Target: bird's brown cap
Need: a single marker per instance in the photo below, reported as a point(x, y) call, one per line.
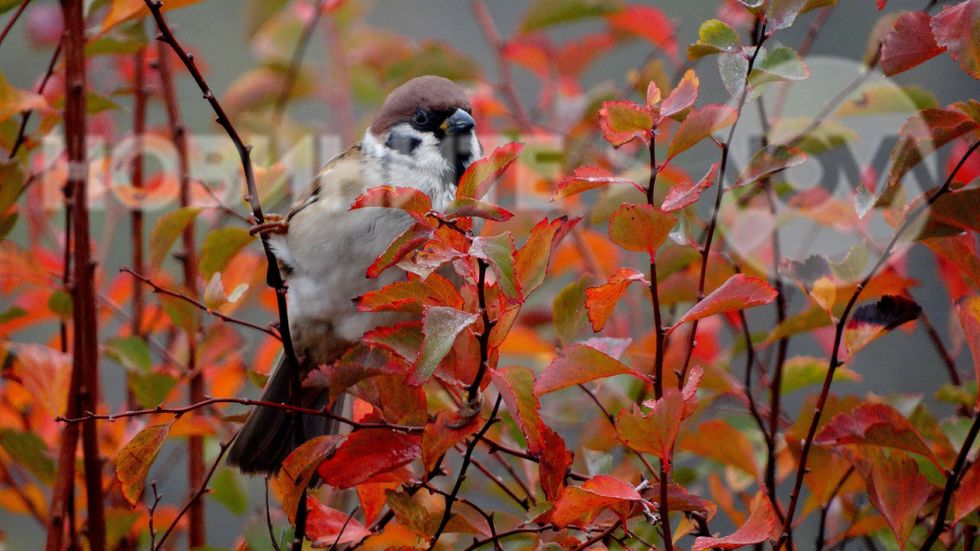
point(431, 93)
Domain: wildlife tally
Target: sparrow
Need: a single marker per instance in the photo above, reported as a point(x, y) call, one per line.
point(422, 137)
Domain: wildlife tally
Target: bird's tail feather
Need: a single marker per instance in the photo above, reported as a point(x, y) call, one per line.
point(270, 434)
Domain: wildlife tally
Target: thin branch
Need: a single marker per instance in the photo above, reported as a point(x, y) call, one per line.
point(295, 64)
point(506, 84)
point(195, 497)
point(516, 531)
point(612, 421)
point(608, 532)
point(953, 478)
point(498, 481)
point(25, 116)
point(473, 391)
point(179, 295)
point(13, 20)
point(834, 362)
point(825, 508)
point(467, 458)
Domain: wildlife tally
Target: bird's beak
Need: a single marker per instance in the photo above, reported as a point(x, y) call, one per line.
point(459, 122)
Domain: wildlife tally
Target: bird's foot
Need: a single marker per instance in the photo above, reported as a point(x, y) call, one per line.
point(467, 411)
point(274, 224)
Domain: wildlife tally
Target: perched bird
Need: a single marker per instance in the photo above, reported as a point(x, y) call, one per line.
point(423, 137)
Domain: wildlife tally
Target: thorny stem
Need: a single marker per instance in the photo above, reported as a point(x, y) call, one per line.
point(719, 193)
point(179, 411)
point(451, 498)
point(196, 390)
point(157, 288)
point(953, 478)
point(838, 338)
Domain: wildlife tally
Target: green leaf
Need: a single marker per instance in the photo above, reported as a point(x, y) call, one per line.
point(440, 327)
point(782, 13)
point(498, 250)
point(130, 352)
point(13, 181)
point(545, 13)
point(226, 489)
point(7, 224)
point(27, 449)
point(803, 371)
point(874, 98)
point(126, 38)
point(714, 37)
point(12, 313)
point(568, 309)
point(134, 461)
point(150, 389)
point(220, 246)
point(166, 231)
point(780, 64)
point(182, 313)
point(60, 303)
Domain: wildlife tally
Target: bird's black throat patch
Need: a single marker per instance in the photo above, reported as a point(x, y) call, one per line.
point(402, 143)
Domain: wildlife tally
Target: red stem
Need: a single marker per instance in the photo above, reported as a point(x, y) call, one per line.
point(13, 20)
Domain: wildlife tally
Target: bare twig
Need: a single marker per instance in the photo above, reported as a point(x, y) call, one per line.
point(506, 85)
point(196, 496)
point(13, 20)
point(953, 478)
point(295, 64)
point(25, 116)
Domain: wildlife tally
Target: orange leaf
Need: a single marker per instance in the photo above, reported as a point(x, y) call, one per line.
point(758, 528)
point(640, 227)
point(601, 301)
point(135, 459)
point(698, 125)
point(598, 492)
point(476, 181)
point(579, 363)
point(448, 429)
point(654, 432)
point(624, 121)
point(681, 97)
point(585, 178)
point(297, 469)
point(516, 386)
point(684, 194)
point(737, 293)
point(875, 425)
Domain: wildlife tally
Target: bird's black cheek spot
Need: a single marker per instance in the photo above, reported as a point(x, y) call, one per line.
point(402, 143)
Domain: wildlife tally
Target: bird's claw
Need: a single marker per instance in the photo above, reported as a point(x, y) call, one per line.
point(467, 411)
point(274, 224)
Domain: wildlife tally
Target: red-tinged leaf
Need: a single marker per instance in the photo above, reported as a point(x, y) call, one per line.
point(881, 4)
point(471, 208)
point(968, 311)
point(923, 134)
point(372, 498)
point(601, 301)
point(875, 425)
point(577, 364)
point(529, 52)
point(297, 470)
point(967, 496)
point(960, 251)
point(720, 441)
point(678, 499)
point(874, 320)
point(440, 327)
point(135, 459)
point(413, 238)
point(956, 28)
point(326, 526)
point(482, 174)
point(367, 453)
point(714, 37)
point(624, 121)
point(516, 386)
point(738, 293)
point(498, 251)
point(698, 125)
point(585, 178)
point(759, 527)
point(653, 94)
point(554, 463)
point(531, 262)
point(895, 488)
point(410, 513)
point(402, 339)
point(448, 429)
point(910, 43)
point(684, 194)
point(654, 432)
point(576, 502)
point(648, 22)
point(769, 161)
point(640, 228)
point(410, 296)
point(682, 97)
point(409, 199)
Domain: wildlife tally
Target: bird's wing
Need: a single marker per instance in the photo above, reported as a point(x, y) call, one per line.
point(342, 166)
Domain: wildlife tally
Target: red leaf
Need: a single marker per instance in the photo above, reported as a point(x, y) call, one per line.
point(924, 133)
point(516, 386)
point(402, 339)
point(409, 199)
point(698, 125)
point(585, 178)
point(579, 363)
point(910, 43)
point(411, 295)
point(687, 193)
point(681, 97)
point(440, 327)
point(594, 494)
point(482, 174)
point(875, 425)
point(448, 429)
point(881, 4)
point(372, 498)
point(967, 496)
point(297, 470)
point(531, 262)
point(366, 453)
point(135, 459)
point(738, 293)
point(758, 528)
point(413, 238)
point(640, 228)
point(648, 22)
point(601, 301)
point(895, 488)
point(554, 463)
point(956, 28)
point(471, 208)
point(654, 432)
point(624, 121)
point(968, 311)
point(326, 526)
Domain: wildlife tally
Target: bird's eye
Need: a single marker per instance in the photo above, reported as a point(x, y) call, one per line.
point(421, 117)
